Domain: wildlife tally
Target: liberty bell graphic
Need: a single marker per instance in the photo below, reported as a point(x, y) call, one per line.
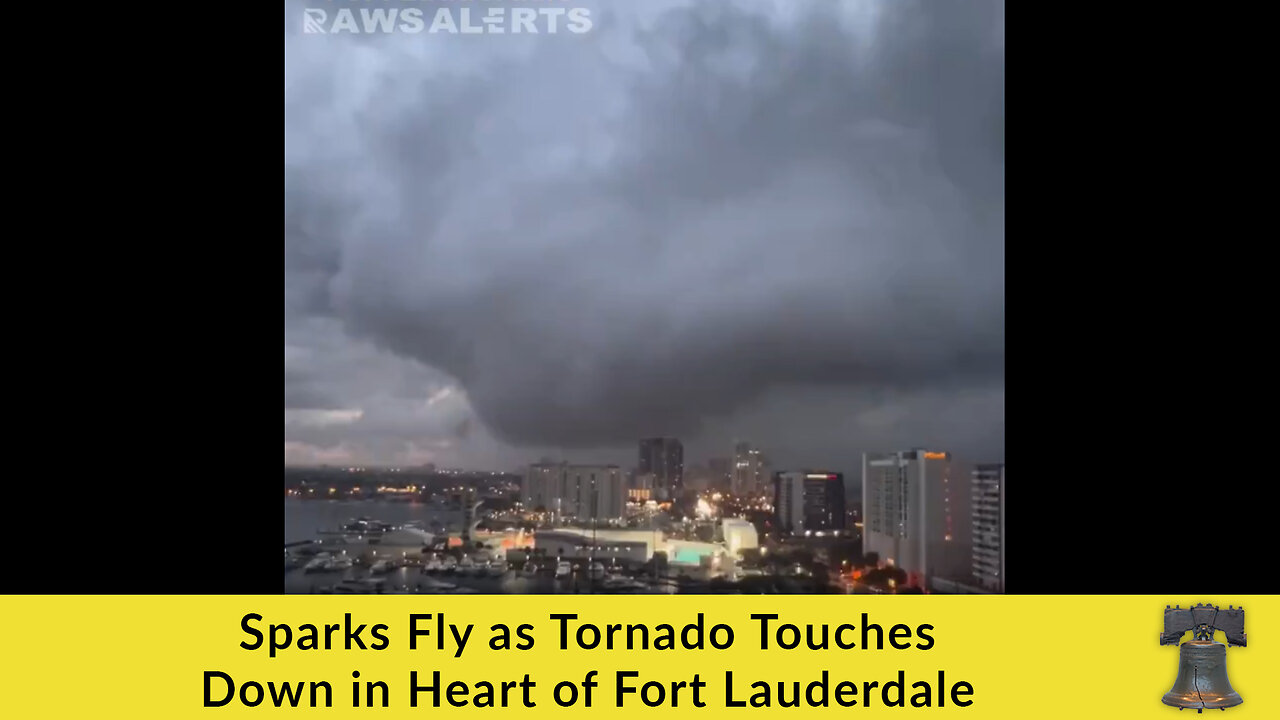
point(1202, 663)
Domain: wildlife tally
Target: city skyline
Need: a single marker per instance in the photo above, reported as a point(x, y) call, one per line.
point(578, 243)
point(694, 463)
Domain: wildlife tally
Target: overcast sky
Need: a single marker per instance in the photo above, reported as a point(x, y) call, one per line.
point(774, 221)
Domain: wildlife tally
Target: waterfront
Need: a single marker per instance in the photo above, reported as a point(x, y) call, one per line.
point(306, 519)
point(412, 580)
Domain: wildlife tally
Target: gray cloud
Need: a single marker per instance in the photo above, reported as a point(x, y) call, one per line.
point(663, 226)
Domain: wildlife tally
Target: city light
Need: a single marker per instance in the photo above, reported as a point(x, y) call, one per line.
point(804, 536)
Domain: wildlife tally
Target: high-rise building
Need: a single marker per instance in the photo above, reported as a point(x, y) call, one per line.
point(808, 500)
point(750, 472)
point(576, 492)
point(988, 526)
point(470, 502)
point(664, 459)
point(906, 508)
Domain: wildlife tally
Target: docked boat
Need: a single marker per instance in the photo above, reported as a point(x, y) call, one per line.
point(530, 569)
point(449, 589)
point(563, 569)
point(362, 529)
point(381, 567)
point(365, 586)
point(622, 583)
point(437, 586)
point(319, 563)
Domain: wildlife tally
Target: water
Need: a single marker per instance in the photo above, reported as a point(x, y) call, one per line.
point(303, 519)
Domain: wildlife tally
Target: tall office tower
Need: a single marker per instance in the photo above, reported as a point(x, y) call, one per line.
point(469, 501)
point(664, 459)
point(906, 510)
point(576, 492)
point(808, 500)
point(750, 474)
point(988, 525)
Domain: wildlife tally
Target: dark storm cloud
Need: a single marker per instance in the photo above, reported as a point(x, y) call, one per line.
point(663, 222)
point(302, 392)
point(325, 370)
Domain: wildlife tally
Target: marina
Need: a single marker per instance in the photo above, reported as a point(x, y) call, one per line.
point(373, 547)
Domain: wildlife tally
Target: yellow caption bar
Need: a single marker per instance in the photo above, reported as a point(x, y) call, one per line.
point(405, 656)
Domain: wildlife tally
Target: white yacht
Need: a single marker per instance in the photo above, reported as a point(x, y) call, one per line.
point(366, 586)
point(320, 563)
point(622, 583)
point(436, 586)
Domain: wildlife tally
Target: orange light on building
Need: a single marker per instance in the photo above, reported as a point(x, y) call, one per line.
point(935, 456)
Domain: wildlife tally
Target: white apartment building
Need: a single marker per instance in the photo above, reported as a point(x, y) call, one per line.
point(907, 509)
point(988, 526)
point(576, 492)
